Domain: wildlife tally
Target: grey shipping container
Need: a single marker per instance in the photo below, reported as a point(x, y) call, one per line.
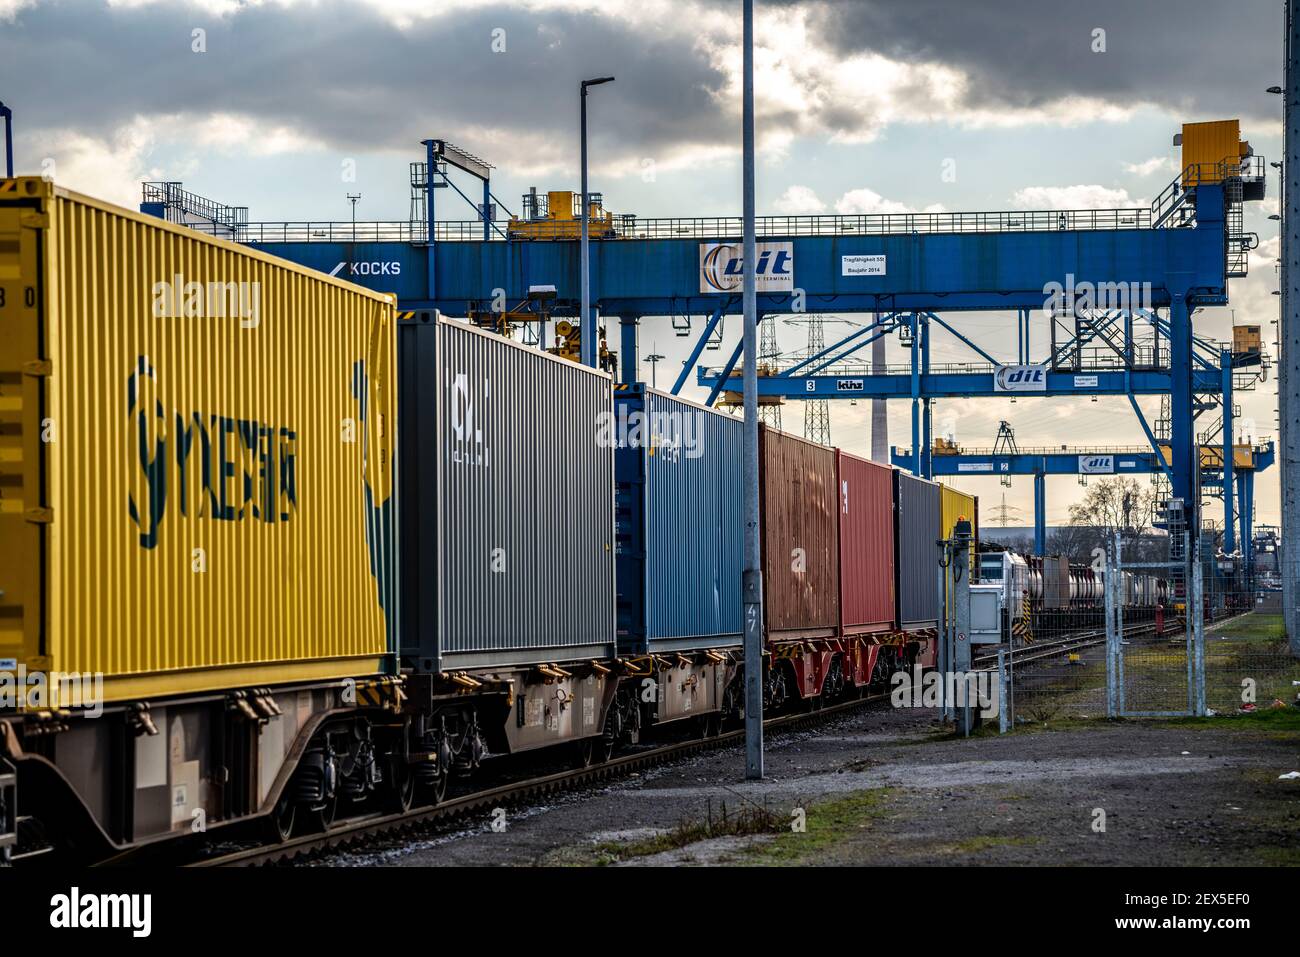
point(680, 523)
point(801, 557)
point(917, 519)
point(1056, 581)
point(506, 501)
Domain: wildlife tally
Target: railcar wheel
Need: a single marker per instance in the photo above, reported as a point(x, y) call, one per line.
point(711, 724)
point(279, 824)
point(586, 752)
point(436, 792)
point(322, 816)
point(401, 795)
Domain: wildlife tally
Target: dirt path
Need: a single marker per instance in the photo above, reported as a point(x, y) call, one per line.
point(889, 787)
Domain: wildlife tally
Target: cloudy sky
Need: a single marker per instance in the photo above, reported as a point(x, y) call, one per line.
point(862, 107)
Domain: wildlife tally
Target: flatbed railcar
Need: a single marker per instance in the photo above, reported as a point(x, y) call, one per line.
point(332, 558)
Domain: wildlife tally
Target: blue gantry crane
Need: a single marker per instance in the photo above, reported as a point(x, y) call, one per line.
point(1120, 286)
point(1247, 459)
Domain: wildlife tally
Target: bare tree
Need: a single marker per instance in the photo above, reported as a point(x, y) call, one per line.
point(1074, 541)
point(1122, 505)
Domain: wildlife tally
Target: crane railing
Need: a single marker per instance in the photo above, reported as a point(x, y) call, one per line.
point(706, 227)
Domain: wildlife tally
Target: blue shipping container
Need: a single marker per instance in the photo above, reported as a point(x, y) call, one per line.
point(680, 529)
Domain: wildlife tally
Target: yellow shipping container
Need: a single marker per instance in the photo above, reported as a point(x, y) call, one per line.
point(1208, 144)
point(1246, 339)
point(195, 456)
point(954, 505)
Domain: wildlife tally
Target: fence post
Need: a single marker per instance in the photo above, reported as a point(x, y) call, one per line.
point(944, 652)
point(1004, 697)
point(1112, 642)
point(1198, 637)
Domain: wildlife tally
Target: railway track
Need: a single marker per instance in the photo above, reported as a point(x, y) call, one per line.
point(356, 832)
point(1084, 639)
point(1051, 649)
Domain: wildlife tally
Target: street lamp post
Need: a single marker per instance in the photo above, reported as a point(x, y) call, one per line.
point(751, 586)
point(8, 116)
point(653, 359)
point(352, 198)
point(586, 321)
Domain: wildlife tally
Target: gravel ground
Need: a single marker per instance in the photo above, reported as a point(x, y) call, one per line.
point(888, 786)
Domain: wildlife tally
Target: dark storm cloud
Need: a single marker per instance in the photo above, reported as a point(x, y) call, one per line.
point(1203, 56)
point(341, 72)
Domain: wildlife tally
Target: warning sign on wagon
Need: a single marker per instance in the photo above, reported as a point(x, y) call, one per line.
point(862, 265)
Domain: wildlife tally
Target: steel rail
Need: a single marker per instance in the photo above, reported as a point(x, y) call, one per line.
point(358, 831)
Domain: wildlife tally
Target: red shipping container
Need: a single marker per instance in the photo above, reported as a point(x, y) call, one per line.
point(866, 506)
point(800, 537)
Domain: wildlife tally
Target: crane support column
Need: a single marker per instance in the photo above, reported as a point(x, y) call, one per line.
point(927, 437)
point(927, 427)
point(628, 356)
point(1040, 513)
point(1229, 532)
point(431, 247)
point(916, 398)
point(1183, 452)
point(1245, 505)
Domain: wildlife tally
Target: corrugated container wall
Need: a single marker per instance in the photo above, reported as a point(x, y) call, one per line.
point(800, 537)
point(680, 523)
point(195, 455)
point(507, 501)
point(866, 509)
point(918, 515)
point(956, 505)
point(1209, 144)
point(1056, 581)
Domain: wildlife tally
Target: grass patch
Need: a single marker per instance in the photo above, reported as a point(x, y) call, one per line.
point(984, 842)
point(1275, 856)
point(750, 819)
point(828, 823)
point(1253, 627)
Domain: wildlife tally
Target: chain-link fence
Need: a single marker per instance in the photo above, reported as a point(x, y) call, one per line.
point(1249, 665)
point(1054, 663)
point(1186, 637)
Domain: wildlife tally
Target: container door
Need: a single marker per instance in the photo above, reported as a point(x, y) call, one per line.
point(24, 517)
point(380, 428)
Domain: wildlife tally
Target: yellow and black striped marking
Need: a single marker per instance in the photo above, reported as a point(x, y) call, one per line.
point(1022, 627)
point(381, 693)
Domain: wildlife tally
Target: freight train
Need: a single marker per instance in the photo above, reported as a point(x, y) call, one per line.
point(276, 553)
point(1051, 594)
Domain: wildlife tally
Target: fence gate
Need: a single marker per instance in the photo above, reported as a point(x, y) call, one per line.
point(1155, 662)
